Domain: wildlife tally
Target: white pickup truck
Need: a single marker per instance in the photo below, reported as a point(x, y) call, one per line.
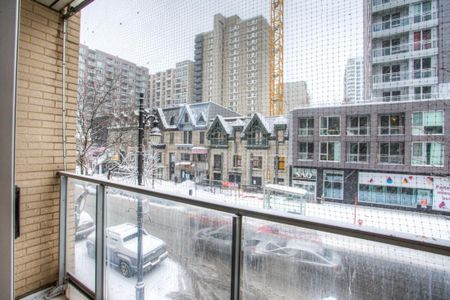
point(121, 245)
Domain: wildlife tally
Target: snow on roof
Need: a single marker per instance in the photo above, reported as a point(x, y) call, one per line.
point(285, 189)
point(226, 126)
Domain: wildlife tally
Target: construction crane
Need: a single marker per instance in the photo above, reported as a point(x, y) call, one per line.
point(276, 57)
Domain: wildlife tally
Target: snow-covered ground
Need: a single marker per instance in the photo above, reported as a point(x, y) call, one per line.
point(416, 223)
point(166, 281)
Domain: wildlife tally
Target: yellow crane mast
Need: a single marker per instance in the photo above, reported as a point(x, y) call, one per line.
point(276, 57)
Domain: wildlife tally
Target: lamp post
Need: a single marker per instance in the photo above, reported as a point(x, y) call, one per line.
point(144, 117)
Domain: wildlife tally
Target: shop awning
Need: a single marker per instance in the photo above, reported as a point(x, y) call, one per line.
point(199, 150)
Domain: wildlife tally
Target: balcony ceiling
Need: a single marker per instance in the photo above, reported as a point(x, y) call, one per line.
point(58, 5)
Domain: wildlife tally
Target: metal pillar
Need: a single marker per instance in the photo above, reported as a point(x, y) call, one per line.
point(140, 285)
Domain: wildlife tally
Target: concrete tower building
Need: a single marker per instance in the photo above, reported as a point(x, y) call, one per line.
point(407, 49)
point(231, 64)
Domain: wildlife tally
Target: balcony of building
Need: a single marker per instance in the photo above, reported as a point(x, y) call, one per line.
point(405, 78)
point(405, 51)
point(382, 5)
point(395, 26)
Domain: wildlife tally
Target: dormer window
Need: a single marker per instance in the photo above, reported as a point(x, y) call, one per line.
point(256, 137)
point(218, 138)
point(186, 118)
point(172, 120)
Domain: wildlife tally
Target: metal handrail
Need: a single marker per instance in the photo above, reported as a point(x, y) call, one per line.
point(416, 242)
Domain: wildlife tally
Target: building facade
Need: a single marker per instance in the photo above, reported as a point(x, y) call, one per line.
point(354, 80)
point(295, 95)
point(124, 80)
point(173, 86)
point(407, 53)
point(248, 151)
point(231, 64)
point(183, 152)
point(382, 154)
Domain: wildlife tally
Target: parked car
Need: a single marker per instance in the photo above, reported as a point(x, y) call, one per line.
point(214, 240)
point(84, 225)
point(121, 246)
point(305, 256)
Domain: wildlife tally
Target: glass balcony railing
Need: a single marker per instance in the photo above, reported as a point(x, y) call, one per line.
point(218, 142)
point(405, 21)
point(404, 48)
point(306, 131)
point(404, 75)
point(391, 159)
point(391, 130)
point(405, 97)
point(202, 249)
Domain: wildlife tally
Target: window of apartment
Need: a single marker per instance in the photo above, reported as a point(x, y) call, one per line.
point(333, 184)
point(391, 73)
point(305, 151)
point(257, 162)
point(427, 122)
point(306, 126)
point(390, 47)
point(358, 152)
point(202, 137)
point(391, 153)
point(158, 157)
point(187, 137)
point(171, 137)
point(218, 138)
point(389, 96)
point(358, 125)
point(185, 156)
point(427, 154)
point(217, 162)
point(256, 136)
point(422, 68)
point(330, 151)
point(422, 12)
point(422, 40)
point(390, 21)
point(422, 92)
point(392, 124)
point(330, 126)
point(281, 164)
point(237, 161)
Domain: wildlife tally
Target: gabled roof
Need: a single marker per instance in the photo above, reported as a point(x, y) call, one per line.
point(268, 124)
point(220, 121)
point(206, 110)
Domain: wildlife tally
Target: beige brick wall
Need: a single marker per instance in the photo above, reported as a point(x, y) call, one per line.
point(39, 139)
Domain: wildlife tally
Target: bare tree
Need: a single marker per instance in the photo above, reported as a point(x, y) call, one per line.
point(97, 113)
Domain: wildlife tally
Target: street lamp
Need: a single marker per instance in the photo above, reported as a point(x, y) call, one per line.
point(144, 117)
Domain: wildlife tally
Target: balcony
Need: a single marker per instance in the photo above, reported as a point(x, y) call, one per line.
point(405, 51)
point(405, 97)
point(405, 24)
point(405, 78)
point(391, 130)
point(380, 5)
point(391, 159)
point(218, 142)
point(215, 250)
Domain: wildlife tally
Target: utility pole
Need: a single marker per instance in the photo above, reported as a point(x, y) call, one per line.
point(140, 285)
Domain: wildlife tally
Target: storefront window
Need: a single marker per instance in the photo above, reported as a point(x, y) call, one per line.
point(333, 185)
point(391, 195)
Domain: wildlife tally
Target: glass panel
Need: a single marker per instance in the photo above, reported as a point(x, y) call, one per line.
point(80, 235)
point(181, 244)
point(275, 266)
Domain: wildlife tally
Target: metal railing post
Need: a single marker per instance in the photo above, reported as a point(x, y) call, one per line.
point(236, 257)
point(100, 243)
point(62, 229)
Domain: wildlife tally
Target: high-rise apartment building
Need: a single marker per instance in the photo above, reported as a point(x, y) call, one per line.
point(119, 80)
point(408, 49)
point(354, 80)
point(295, 95)
point(173, 86)
point(231, 64)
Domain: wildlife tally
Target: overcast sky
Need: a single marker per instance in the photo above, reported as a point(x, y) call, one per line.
point(320, 35)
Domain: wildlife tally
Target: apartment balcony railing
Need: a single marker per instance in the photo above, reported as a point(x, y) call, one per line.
point(363, 130)
point(402, 22)
point(391, 130)
point(218, 142)
point(306, 131)
point(404, 76)
point(211, 249)
point(405, 97)
point(255, 143)
point(391, 159)
point(404, 48)
point(357, 158)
